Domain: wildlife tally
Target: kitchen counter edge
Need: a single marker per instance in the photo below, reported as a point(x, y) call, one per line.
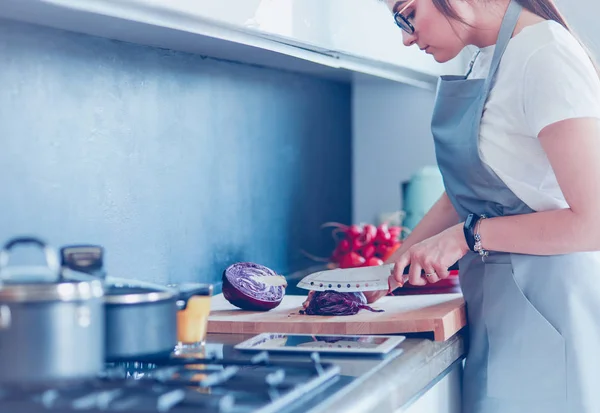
point(401, 381)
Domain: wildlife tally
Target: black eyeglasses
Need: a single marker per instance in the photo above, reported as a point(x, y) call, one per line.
point(402, 21)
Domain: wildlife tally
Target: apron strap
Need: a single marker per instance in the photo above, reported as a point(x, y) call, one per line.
point(506, 30)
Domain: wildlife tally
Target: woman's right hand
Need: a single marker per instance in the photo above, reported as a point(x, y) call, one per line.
point(439, 218)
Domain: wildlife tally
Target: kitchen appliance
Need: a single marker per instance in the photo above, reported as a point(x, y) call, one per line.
point(354, 279)
point(441, 315)
point(210, 378)
point(420, 193)
point(184, 384)
point(51, 329)
point(141, 317)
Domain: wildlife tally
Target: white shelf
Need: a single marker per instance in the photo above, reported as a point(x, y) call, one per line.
point(146, 24)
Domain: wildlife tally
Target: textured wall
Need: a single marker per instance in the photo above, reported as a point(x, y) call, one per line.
point(392, 129)
point(177, 164)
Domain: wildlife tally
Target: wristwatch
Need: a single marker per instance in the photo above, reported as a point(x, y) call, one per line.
point(469, 230)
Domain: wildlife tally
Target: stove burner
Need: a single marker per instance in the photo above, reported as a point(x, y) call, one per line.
point(180, 385)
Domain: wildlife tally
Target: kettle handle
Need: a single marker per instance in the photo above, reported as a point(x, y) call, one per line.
point(52, 262)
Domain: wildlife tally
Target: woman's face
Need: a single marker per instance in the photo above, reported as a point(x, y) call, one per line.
point(435, 33)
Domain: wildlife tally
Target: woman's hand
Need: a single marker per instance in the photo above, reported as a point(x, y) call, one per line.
point(433, 256)
point(441, 216)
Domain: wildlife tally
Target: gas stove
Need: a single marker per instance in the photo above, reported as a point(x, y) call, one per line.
point(184, 383)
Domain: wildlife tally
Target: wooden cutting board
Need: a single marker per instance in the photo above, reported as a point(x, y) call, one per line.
point(442, 314)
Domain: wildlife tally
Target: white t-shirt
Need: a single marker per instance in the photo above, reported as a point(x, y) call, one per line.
point(545, 76)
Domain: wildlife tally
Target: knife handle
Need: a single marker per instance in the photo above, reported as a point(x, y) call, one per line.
point(454, 267)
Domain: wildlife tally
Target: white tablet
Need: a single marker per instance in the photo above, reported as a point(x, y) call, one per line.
point(321, 343)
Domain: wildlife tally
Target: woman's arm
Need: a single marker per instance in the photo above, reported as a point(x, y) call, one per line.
point(573, 148)
point(441, 216)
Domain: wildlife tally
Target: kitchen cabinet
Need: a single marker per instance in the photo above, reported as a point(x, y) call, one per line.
point(366, 28)
point(363, 29)
point(334, 39)
point(442, 396)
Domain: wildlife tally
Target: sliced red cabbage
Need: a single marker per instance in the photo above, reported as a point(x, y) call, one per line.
point(336, 303)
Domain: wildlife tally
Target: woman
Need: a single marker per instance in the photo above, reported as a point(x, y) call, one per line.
point(518, 144)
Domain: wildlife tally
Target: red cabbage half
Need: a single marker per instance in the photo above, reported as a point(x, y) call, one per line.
point(253, 287)
point(336, 303)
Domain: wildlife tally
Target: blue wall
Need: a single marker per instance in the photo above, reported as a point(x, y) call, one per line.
point(179, 165)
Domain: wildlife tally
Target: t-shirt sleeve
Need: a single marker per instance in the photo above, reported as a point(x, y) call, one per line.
point(560, 83)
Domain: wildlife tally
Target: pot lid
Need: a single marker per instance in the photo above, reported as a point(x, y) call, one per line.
point(27, 283)
point(136, 294)
point(89, 259)
point(43, 291)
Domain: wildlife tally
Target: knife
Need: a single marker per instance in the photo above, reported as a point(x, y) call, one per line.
point(354, 279)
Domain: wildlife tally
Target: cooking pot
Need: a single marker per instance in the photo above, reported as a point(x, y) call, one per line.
point(50, 329)
point(141, 317)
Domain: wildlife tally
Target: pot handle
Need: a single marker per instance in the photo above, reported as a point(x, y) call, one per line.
point(187, 291)
point(88, 259)
point(52, 267)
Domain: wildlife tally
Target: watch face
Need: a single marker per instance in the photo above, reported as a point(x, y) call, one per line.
point(469, 220)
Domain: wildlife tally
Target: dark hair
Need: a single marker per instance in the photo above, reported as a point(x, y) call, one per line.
point(546, 9)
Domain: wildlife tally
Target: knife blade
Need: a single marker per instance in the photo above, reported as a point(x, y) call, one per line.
point(353, 279)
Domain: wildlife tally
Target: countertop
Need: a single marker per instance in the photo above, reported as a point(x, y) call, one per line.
point(376, 384)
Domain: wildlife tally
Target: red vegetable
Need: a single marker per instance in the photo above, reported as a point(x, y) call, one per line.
point(395, 233)
point(373, 261)
point(383, 234)
point(365, 241)
point(342, 249)
point(356, 244)
point(335, 303)
point(253, 287)
point(344, 246)
point(392, 242)
point(351, 260)
point(382, 250)
point(368, 251)
point(353, 232)
point(368, 234)
point(390, 251)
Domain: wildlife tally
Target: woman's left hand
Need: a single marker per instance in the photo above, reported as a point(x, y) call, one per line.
point(433, 256)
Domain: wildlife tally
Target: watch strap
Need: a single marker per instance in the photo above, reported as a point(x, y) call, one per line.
point(469, 230)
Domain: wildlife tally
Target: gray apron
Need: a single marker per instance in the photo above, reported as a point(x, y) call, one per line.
point(534, 321)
